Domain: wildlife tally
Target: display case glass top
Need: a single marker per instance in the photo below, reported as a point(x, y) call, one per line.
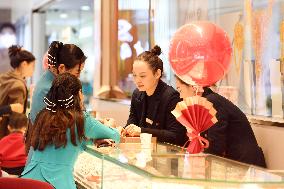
point(167, 163)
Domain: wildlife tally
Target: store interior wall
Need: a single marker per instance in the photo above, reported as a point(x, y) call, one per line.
point(5, 15)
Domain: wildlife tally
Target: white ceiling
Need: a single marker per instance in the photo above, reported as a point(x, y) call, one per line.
point(67, 5)
point(5, 4)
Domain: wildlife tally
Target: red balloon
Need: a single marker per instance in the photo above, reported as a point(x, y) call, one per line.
point(200, 52)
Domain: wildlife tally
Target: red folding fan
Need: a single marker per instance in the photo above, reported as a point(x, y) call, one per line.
point(197, 114)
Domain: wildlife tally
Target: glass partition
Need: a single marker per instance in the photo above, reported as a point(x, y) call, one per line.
point(254, 80)
point(133, 38)
point(255, 27)
point(72, 21)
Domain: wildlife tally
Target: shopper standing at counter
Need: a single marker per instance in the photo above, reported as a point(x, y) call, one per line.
point(13, 87)
point(61, 58)
point(60, 132)
point(232, 136)
point(152, 101)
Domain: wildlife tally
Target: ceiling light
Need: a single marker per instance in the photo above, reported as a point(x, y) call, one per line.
point(85, 8)
point(63, 15)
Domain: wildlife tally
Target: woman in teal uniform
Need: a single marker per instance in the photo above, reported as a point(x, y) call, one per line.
point(61, 58)
point(60, 132)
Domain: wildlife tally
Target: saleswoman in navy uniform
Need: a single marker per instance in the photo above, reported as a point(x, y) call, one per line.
point(152, 101)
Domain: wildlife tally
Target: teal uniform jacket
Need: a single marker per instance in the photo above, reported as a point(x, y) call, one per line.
point(41, 89)
point(55, 166)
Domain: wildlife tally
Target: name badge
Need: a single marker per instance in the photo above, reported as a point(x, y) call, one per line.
point(149, 121)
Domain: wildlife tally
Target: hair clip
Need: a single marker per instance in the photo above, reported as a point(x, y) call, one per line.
point(51, 56)
point(70, 98)
point(48, 102)
point(54, 111)
point(51, 60)
point(49, 105)
point(67, 102)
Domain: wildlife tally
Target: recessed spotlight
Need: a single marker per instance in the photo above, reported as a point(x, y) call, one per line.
point(85, 8)
point(63, 15)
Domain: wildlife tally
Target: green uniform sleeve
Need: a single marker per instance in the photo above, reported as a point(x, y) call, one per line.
point(96, 130)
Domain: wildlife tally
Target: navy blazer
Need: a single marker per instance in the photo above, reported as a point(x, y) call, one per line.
point(232, 136)
point(165, 126)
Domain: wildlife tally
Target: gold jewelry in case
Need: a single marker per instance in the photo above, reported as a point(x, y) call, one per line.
point(238, 45)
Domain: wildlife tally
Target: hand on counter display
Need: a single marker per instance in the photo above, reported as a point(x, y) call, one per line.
point(110, 122)
point(133, 130)
point(121, 131)
point(104, 143)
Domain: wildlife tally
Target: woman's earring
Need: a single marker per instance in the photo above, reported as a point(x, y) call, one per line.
point(195, 90)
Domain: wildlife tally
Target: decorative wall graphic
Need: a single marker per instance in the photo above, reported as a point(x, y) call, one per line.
point(238, 45)
point(260, 19)
point(282, 48)
point(259, 23)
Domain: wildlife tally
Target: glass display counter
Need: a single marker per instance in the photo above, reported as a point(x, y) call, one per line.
point(165, 166)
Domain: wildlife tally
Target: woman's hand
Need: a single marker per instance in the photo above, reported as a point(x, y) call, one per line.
point(104, 143)
point(17, 107)
point(133, 130)
point(121, 131)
